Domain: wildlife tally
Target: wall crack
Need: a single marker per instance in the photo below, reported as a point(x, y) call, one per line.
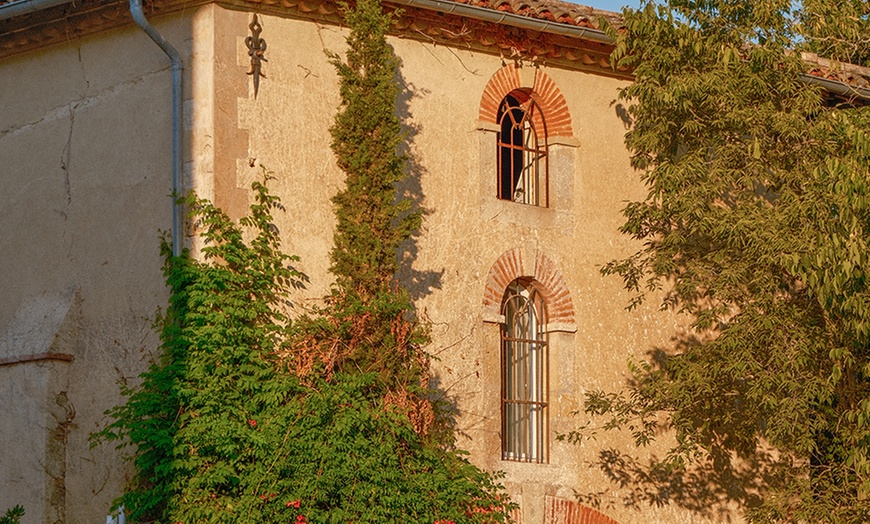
point(63, 112)
point(66, 154)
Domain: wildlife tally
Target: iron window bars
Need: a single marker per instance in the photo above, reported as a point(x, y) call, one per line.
point(525, 377)
point(522, 151)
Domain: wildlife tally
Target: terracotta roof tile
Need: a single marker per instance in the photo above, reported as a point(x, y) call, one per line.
point(553, 10)
point(851, 74)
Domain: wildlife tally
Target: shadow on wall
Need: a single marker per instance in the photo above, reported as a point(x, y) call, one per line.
point(623, 114)
point(418, 283)
point(711, 489)
point(447, 410)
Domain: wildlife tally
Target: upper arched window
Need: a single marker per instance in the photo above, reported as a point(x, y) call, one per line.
point(524, 374)
point(522, 150)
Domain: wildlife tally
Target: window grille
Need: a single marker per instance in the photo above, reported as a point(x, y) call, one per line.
point(522, 151)
point(524, 385)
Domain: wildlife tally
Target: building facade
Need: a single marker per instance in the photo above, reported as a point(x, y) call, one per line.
point(515, 136)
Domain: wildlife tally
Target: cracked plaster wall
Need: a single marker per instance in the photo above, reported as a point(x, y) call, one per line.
point(84, 138)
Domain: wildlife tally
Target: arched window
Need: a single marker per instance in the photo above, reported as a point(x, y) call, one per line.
point(522, 150)
point(524, 377)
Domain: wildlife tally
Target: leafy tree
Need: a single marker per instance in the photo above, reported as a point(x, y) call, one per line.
point(756, 225)
point(200, 455)
point(837, 30)
point(251, 416)
point(224, 432)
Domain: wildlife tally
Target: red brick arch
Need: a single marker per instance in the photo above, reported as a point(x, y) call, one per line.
point(545, 92)
point(546, 275)
point(561, 511)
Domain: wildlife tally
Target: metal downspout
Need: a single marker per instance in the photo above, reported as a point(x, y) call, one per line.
point(177, 69)
point(836, 86)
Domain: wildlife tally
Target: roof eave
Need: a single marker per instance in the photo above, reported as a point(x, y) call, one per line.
point(511, 19)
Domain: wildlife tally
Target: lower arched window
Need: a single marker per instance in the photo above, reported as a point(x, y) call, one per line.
point(524, 376)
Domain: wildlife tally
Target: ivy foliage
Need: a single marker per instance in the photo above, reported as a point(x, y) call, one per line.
point(756, 225)
point(371, 221)
point(368, 324)
point(253, 416)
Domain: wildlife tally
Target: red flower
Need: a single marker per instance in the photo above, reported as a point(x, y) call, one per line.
point(253, 423)
point(295, 504)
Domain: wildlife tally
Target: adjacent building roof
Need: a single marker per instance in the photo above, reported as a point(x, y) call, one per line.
point(850, 73)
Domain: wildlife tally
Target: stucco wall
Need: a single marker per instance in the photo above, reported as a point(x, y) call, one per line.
point(85, 143)
point(466, 230)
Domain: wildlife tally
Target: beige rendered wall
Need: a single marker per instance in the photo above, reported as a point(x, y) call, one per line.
point(85, 148)
point(465, 231)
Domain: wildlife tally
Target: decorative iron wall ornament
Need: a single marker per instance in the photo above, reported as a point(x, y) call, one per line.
point(256, 50)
